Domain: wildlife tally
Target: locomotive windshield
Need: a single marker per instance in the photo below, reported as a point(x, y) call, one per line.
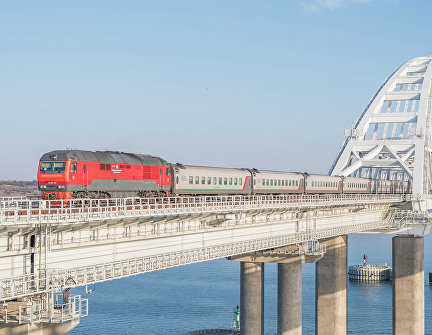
point(52, 167)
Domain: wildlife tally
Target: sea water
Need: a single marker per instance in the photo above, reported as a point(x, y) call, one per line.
point(204, 295)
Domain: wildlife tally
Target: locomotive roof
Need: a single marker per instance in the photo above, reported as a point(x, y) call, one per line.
point(103, 157)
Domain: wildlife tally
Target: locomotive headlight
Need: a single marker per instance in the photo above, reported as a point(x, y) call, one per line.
point(61, 187)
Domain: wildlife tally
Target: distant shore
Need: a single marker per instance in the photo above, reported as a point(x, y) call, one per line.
point(18, 188)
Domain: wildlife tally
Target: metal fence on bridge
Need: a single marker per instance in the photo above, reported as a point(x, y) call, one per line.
point(79, 210)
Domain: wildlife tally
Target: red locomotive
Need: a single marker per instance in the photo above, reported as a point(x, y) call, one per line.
point(66, 174)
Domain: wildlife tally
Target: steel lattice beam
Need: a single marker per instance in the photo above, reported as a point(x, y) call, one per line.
point(391, 139)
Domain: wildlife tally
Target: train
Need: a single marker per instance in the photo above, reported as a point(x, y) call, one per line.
point(74, 174)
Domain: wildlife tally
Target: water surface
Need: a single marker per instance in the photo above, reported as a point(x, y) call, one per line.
point(203, 295)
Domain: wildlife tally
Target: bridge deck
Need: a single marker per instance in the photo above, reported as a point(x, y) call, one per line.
point(281, 223)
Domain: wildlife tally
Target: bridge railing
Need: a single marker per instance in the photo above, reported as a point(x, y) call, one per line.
point(33, 311)
point(31, 211)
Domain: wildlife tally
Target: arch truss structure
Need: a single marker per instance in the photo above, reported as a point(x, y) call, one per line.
point(392, 137)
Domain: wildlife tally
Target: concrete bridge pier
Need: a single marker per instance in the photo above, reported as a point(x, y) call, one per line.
point(251, 298)
point(289, 300)
point(331, 288)
point(408, 285)
point(290, 260)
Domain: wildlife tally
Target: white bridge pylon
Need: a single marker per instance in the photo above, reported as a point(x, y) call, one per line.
point(392, 138)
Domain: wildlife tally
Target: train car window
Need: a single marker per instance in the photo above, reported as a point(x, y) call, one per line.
point(220, 180)
point(203, 180)
point(122, 166)
point(254, 181)
point(214, 180)
point(84, 168)
point(271, 182)
point(102, 166)
point(196, 180)
point(225, 181)
point(190, 180)
point(296, 182)
point(241, 181)
point(283, 182)
point(108, 167)
point(235, 181)
point(230, 181)
point(74, 167)
point(209, 180)
point(279, 182)
point(267, 182)
point(167, 171)
point(177, 180)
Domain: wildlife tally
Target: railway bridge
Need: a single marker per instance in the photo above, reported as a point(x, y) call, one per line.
point(45, 245)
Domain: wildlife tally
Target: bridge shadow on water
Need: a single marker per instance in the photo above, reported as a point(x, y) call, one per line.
point(204, 295)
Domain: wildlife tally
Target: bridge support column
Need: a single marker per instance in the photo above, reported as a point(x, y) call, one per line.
point(41, 328)
point(331, 288)
point(251, 298)
point(408, 285)
point(290, 259)
point(289, 298)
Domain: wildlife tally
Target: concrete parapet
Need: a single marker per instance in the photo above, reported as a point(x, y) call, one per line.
point(331, 288)
point(408, 285)
point(251, 298)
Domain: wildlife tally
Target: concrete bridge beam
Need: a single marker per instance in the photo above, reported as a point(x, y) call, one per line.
point(408, 285)
point(331, 288)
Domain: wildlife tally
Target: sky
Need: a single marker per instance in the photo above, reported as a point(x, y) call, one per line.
point(246, 83)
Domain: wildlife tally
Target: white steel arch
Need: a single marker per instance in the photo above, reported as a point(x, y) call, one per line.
point(392, 138)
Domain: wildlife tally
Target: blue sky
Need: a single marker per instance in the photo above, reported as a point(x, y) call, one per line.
point(227, 83)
